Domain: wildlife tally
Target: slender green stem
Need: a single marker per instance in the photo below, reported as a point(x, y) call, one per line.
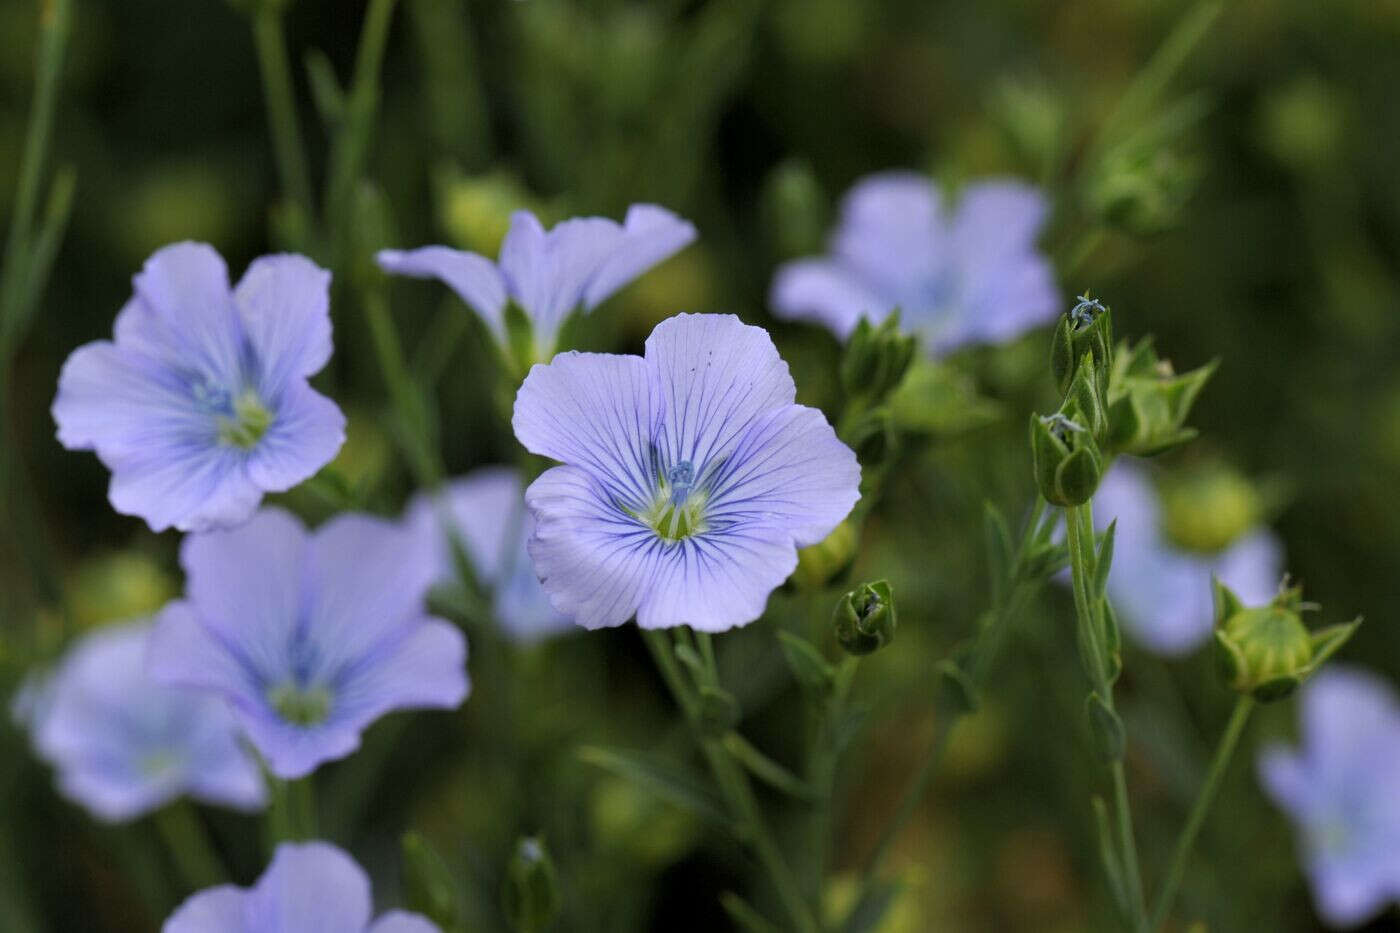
point(734, 786)
point(271, 42)
point(414, 433)
point(1224, 751)
point(352, 143)
point(291, 816)
point(191, 849)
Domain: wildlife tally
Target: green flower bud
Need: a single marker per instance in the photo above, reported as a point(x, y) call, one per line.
point(1143, 192)
point(1067, 462)
point(531, 893)
point(475, 210)
point(1148, 402)
point(429, 887)
point(1267, 651)
point(865, 618)
point(876, 359)
point(794, 209)
point(819, 563)
point(1086, 329)
point(1208, 508)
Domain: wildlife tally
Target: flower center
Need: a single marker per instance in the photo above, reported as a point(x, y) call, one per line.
point(678, 509)
point(246, 423)
point(300, 706)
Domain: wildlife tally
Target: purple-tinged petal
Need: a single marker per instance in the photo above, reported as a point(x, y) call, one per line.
point(826, 292)
point(182, 486)
point(247, 585)
point(398, 921)
point(213, 910)
point(371, 577)
point(486, 509)
point(184, 291)
point(306, 433)
point(1284, 778)
point(1344, 711)
point(475, 279)
point(185, 652)
point(124, 745)
point(423, 668)
point(650, 235)
point(892, 234)
point(789, 471)
point(593, 560)
point(310, 887)
point(716, 580)
point(597, 410)
point(283, 302)
point(716, 375)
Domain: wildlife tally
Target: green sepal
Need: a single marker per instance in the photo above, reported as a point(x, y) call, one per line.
point(1076, 336)
point(814, 674)
point(864, 619)
point(429, 886)
point(876, 358)
point(530, 895)
point(959, 693)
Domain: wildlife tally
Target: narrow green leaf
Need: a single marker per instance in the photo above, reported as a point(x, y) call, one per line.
point(665, 779)
point(1108, 855)
point(766, 769)
point(1107, 729)
point(810, 668)
point(745, 917)
point(1104, 561)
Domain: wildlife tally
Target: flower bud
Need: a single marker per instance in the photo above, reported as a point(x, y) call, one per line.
point(1143, 192)
point(1148, 402)
point(1208, 508)
point(794, 209)
point(865, 618)
point(475, 210)
point(819, 563)
point(876, 359)
point(1068, 464)
point(1087, 328)
point(531, 893)
point(1267, 651)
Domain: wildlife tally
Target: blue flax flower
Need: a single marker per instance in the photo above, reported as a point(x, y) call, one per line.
point(124, 745)
point(201, 403)
point(550, 274)
point(310, 887)
point(310, 637)
point(962, 276)
point(486, 509)
point(1340, 789)
point(690, 477)
point(1161, 592)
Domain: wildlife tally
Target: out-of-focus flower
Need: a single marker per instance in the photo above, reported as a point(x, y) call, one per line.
point(201, 403)
point(969, 275)
point(690, 477)
point(487, 509)
point(549, 274)
point(1339, 788)
point(1162, 592)
point(309, 636)
point(310, 887)
point(124, 745)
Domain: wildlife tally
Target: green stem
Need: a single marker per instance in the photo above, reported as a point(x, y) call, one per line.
point(409, 403)
point(291, 816)
point(1223, 753)
point(191, 849)
point(271, 42)
point(734, 786)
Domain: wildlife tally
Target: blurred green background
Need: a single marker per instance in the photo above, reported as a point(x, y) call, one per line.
point(1256, 218)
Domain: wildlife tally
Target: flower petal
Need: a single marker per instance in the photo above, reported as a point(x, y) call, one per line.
point(893, 235)
point(180, 485)
point(593, 560)
point(306, 433)
point(716, 375)
point(423, 668)
point(310, 887)
point(475, 279)
point(187, 307)
point(789, 472)
point(716, 580)
point(650, 235)
point(213, 910)
point(825, 291)
point(284, 304)
point(596, 410)
point(398, 921)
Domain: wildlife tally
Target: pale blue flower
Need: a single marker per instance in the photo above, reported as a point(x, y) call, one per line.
point(486, 509)
point(1342, 790)
point(310, 887)
point(1162, 593)
point(970, 274)
point(201, 403)
point(124, 745)
point(310, 637)
point(690, 477)
point(575, 265)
